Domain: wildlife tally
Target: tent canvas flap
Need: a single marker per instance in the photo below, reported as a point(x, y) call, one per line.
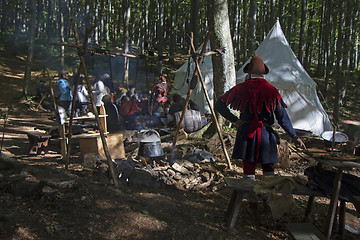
point(296, 87)
point(287, 74)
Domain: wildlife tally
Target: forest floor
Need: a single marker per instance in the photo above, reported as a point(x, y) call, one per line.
point(92, 208)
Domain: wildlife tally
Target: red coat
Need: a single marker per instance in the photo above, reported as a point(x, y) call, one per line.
point(129, 108)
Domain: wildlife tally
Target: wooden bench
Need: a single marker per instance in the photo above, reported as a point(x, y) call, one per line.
point(304, 231)
point(38, 142)
point(242, 186)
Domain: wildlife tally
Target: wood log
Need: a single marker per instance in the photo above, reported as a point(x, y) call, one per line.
point(283, 155)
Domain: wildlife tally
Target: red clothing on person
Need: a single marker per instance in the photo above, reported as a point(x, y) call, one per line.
point(160, 91)
point(129, 108)
point(257, 93)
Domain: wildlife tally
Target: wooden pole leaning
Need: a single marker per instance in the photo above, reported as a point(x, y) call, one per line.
point(61, 125)
point(76, 83)
point(82, 52)
point(197, 71)
point(188, 95)
point(211, 109)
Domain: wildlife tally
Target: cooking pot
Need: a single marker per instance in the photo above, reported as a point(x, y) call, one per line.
point(339, 136)
point(151, 149)
point(328, 137)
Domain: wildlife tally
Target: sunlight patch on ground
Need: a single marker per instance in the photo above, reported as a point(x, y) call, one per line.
point(18, 76)
point(104, 204)
point(24, 233)
point(146, 222)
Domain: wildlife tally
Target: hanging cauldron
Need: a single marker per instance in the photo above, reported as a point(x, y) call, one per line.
point(151, 149)
point(150, 144)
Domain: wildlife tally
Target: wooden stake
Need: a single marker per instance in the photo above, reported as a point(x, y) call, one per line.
point(60, 125)
point(75, 96)
point(81, 53)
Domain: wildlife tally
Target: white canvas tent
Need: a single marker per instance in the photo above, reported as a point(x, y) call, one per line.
point(181, 86)
point(286, 73)
point(296, 87)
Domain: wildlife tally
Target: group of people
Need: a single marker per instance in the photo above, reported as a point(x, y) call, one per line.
point(258, 101)
point(126, 108)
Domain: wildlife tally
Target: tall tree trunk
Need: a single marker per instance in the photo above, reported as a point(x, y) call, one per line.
point(327, 48)
point(309, 41)
point(173, 27)
point(17, 23)
point(238, 34)
point(320, 64)
point(61, 33)
point(302, 29)
point(243, 45)
point(346, 52)
point(31, 35)
point(50, 23)
point(195, 20)
point(339, 62)
point(126, 40)
point(290, 26)
point(252, 27)
point(160, 34)
point(224, 76)
point(355, 16)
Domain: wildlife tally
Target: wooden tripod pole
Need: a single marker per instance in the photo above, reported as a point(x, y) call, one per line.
point(212, 110)
point(61, 125)
point(81, 52)
point(198, 71)
point(76, 83)
point(189, 91)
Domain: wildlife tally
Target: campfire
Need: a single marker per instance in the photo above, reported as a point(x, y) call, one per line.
point(152, 163)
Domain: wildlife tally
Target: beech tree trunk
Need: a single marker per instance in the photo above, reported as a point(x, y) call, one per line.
point(223, 66)
point(252, 27)
point(126, 40)
point(195, 21)
point(61, 34)
point(302, 30)
point(31, 34)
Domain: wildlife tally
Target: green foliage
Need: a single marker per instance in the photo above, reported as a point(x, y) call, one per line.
point(228, 128)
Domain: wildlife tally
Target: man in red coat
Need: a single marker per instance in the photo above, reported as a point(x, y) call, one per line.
point(258, 102)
